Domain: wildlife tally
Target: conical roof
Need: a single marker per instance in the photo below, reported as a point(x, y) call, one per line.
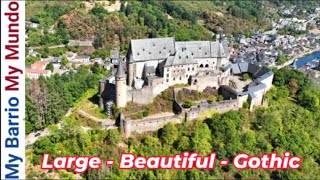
point(120, 71)
point(220, 50)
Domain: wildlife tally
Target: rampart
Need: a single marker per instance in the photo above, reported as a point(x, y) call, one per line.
point(148, 124)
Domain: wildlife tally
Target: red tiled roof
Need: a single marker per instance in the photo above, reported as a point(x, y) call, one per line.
point(38, 71)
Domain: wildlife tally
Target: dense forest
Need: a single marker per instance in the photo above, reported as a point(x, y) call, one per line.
point(291, 122)
point(48, 99)
point(184, 20)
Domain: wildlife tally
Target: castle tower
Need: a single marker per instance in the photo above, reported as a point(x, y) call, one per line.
point(121, 87)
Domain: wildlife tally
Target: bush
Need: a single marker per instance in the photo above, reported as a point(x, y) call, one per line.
point(145, 113)
point(245, 76)
point(188, 104)
point(246, 105)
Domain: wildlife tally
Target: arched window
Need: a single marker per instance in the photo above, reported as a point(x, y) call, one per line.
point(201, 65)
point(207, 65)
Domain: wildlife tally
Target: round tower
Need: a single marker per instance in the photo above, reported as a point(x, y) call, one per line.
point(121, 87)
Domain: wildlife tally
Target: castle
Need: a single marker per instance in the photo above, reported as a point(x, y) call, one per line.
point(153, 65)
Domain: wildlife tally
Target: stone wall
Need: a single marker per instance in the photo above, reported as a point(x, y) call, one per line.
point(153, 124)
point(141, 96)
point(149, 124)
point(222, 106)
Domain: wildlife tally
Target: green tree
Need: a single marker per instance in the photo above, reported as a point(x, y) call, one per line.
point(50, 67)
point(169, 134)
point(64, 61)
point(245, 76)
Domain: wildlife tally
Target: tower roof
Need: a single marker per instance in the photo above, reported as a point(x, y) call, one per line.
point(120, 71)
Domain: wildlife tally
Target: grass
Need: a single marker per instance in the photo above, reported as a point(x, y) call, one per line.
point(88, 102)
point(205, 114)
point(180, 85)
point(159, 104)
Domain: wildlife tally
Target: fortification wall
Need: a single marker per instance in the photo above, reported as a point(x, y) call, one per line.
point(141, 96)
point(222, 106)
point(145, 125)
point(153, 124)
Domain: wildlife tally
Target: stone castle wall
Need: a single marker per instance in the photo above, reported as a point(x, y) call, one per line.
point(153, 124)
point(222, 106)
point(149, 124)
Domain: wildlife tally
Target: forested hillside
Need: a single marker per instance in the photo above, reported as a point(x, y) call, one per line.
point(48, 99)
point(184, 20)
point(291, 122)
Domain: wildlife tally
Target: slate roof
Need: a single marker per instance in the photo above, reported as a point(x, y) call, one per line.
point(120, 71)
point(181, 58)
point(152, 49)
point(235, 69)
point(162, 48)
point(260, 73)
point(253, 69)
point(198, 49)
point(243, 67)
point(256, 88)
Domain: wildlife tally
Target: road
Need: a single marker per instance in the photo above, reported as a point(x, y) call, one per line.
point(71, 43)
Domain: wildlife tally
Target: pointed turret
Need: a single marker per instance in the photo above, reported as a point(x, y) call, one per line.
point(121, 87)
point(220, 50)
point(120, 71)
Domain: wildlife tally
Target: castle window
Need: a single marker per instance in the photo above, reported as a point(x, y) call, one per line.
point(187, 57)
point(193, 69)
point(205, 53)
point(164, 47)
point(154, 44)
point(149, 52)
point(143, 49)
point(167, 75)
point(207, 65)
point(192, 54)
point(159, 52)
point(169, 51)
point(199, 48)
point(138, 54)
point(179, 57)
point(180, 78)
point(201, 65)
point(168, 70)
point(188, 69)
point(174, 78)
point(186, 75)
point(167, 80)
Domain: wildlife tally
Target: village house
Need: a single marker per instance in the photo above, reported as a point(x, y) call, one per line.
point(37, 69)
